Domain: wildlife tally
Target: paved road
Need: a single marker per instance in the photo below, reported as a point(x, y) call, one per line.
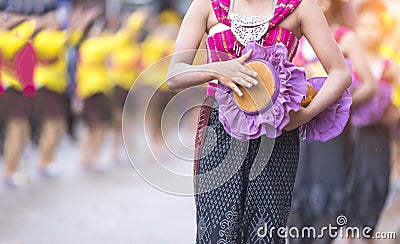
point(85, 207)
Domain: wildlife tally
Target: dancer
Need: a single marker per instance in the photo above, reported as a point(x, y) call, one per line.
point(17, 63)
point(158, 45)
point(319, 194)
point(51, 81)
point(234, 210)
point(124, 69)
point(369, 178)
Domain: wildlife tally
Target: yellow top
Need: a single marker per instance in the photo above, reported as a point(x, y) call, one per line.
point(135, 22)
point(49, 44)
point(25, 30)
point(170, 16)
point(155, 49)
point(92, 73)
point(75, 37)
point(9, 77)
point(391, 53)
point(124, 60)
point(11, 42)
point(51, 70)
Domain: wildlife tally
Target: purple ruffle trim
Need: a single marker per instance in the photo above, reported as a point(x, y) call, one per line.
point(272, 119)
point(372, 111)
point(331, 122)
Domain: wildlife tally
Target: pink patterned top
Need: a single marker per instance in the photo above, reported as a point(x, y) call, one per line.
point(224, 41)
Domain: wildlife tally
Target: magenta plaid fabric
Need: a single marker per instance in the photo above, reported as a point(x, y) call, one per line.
point(220, 45)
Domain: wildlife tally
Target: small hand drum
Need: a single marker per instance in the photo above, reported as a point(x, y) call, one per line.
point(282, 87)
point(264, 93)
point(310, 94)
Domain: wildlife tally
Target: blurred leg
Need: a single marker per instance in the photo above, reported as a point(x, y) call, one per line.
point(52, 130)
point(100, 132)
point(92, 145)
point(98, 117)
point(86, 147)
point(17, 134)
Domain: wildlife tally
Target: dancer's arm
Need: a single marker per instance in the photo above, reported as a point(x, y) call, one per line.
point(391, 116)
point(12, 21)
point(183, 73)
point(315, 28)
point(352, 48)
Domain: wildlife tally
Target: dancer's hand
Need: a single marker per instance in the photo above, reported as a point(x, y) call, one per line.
point(298, 118)
point(233, 72)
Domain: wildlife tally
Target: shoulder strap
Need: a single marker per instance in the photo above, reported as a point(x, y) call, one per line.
point(221, 10)
point(283, 9)
point(340, 32)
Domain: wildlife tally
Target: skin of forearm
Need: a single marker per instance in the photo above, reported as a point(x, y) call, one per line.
point(183, 75)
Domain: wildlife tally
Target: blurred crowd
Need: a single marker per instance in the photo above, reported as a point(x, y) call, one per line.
point(69, 64)
point(61, 66)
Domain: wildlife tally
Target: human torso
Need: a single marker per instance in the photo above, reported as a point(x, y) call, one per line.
point(51, 69)
point(123, 60)
point(222, 44)
point(92, 72)
point(11, 44)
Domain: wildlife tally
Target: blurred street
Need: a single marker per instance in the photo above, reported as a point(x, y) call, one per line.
point(88, 207)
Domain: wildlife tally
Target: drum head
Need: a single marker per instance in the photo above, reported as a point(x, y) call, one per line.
point(258, 96)
point(310, 94)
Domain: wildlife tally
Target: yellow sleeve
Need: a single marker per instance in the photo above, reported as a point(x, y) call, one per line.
point(135, 22)
point(49, 44)
point(10, 44)
point(25, 30)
